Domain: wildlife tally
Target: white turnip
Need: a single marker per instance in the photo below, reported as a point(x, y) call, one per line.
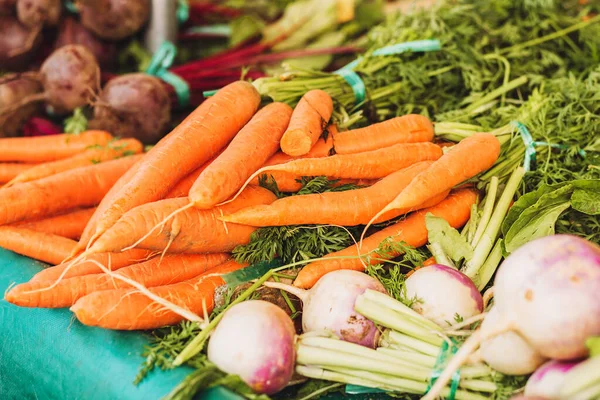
point(133, 105)
point(508, 352)
point(548, 291)
point(17, 43)
point(547, 380)
point(33, 13)
point(255, 340)
point(443, 293)
point(329, 306)
point(72, 32)
point(13, 91)
point(113, 19)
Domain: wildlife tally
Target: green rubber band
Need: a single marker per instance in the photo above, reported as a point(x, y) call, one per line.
point(159, 67)
point(440, 364)
point(209, 93)
point(356, 84)
point(183, 11)
point(71, 7)
point(415, 46)
point(217, 30)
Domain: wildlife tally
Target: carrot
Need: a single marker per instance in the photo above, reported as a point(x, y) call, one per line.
point(287, 182)
point(412, 128)
point(352, 207)
point(193, 142)
point(455, 209)
point(80, 187)
point(426, 263)
point(308, 120)
point(9, 170)
point(182, 188)
point(49, 148)
point(191, 231)
point(93, 155)
point(127, 309)
point(247, 152)
point(151, 273)
point(113, 261)
point(69, 225)
point(41, 246)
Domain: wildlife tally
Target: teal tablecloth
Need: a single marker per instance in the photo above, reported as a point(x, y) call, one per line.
point(47, 354)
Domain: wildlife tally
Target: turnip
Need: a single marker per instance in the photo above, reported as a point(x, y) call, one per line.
point(13, 91)
point(443, 293)
point(508, 352)
point(133, 105)
point(329, 306)
point(72, 32)
point(113, 19)
point(33, 13)
point(548, 291)
point(17, 43)
point(546, 381)
point(255, 340)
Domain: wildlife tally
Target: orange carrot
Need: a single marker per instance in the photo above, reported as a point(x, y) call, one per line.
point(69, 225)
point(247, 152)
point(287, 182)
point(113, 261)
point(81, 187)
point(308, 121)
point(193, 142)
point(469, 157)
point(412, 128)
point(151, 273)
point(456, 209)
point(127, 309)
point(9, 170)
point(351, 207)
point(182, 188)
point(49, 148)
point(191, 231)
point(41, 246)
point(93, 155)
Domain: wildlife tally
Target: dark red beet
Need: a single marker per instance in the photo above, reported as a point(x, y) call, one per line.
point(7, 7)
point(12, 92)
point(114, 19)
point(72, 32)
point(133, 105)
point(17, 43)
point(70, 77)
point(33, 13)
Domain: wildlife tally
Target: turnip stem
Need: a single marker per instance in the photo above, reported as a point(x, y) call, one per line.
point(394, 337)
point(439, 255)
point(581, 377)
point(488, 207)
point(472, 267)
point(489, 266)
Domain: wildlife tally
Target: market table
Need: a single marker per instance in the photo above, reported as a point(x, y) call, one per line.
point(47, 354)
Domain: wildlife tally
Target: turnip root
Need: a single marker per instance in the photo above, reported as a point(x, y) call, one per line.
point(443, 293)
point(13, 91)
point(508, 352)
point(255, 340)
point(33, 13)
point(548, 291)
point(133, 105)
point(329, 306)
point(548, 379)
point(113, 19)
point(17, 43)
point(72, 32)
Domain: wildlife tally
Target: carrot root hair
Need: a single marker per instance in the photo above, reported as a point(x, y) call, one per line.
point(249, 180)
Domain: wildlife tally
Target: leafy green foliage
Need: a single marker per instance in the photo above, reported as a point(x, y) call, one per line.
point(77, 122)
point(452, 243)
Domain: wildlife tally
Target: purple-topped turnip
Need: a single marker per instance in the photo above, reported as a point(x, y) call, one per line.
point(133, 105)
point(547, 380)
point(33, 13)
point(443, 293)
point(548, 291)
point(255, 340)
point(13, 91)
point(329, 306)
point(113, 19)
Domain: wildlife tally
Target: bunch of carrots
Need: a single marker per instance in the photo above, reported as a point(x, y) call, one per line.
point(156, 229)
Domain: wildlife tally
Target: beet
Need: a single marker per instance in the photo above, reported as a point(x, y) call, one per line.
point(17, 43)
point(114, 19)
point(70, 76)
point(7, 7)
point(34, 13)
point(72, 32)
point(14, 91)
point(133, 105)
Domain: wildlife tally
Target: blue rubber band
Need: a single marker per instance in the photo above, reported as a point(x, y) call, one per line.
point(415, 46)
point(159, 67)
point(356, 84)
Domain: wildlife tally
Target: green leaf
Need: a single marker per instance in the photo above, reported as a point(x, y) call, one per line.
point(76, 123)
point(252, 272)
point(452, 242)
point(244, 28)
point(586, 197)
point(593, 344)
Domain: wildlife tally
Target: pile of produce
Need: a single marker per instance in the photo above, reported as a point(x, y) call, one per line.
point(422, 222)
